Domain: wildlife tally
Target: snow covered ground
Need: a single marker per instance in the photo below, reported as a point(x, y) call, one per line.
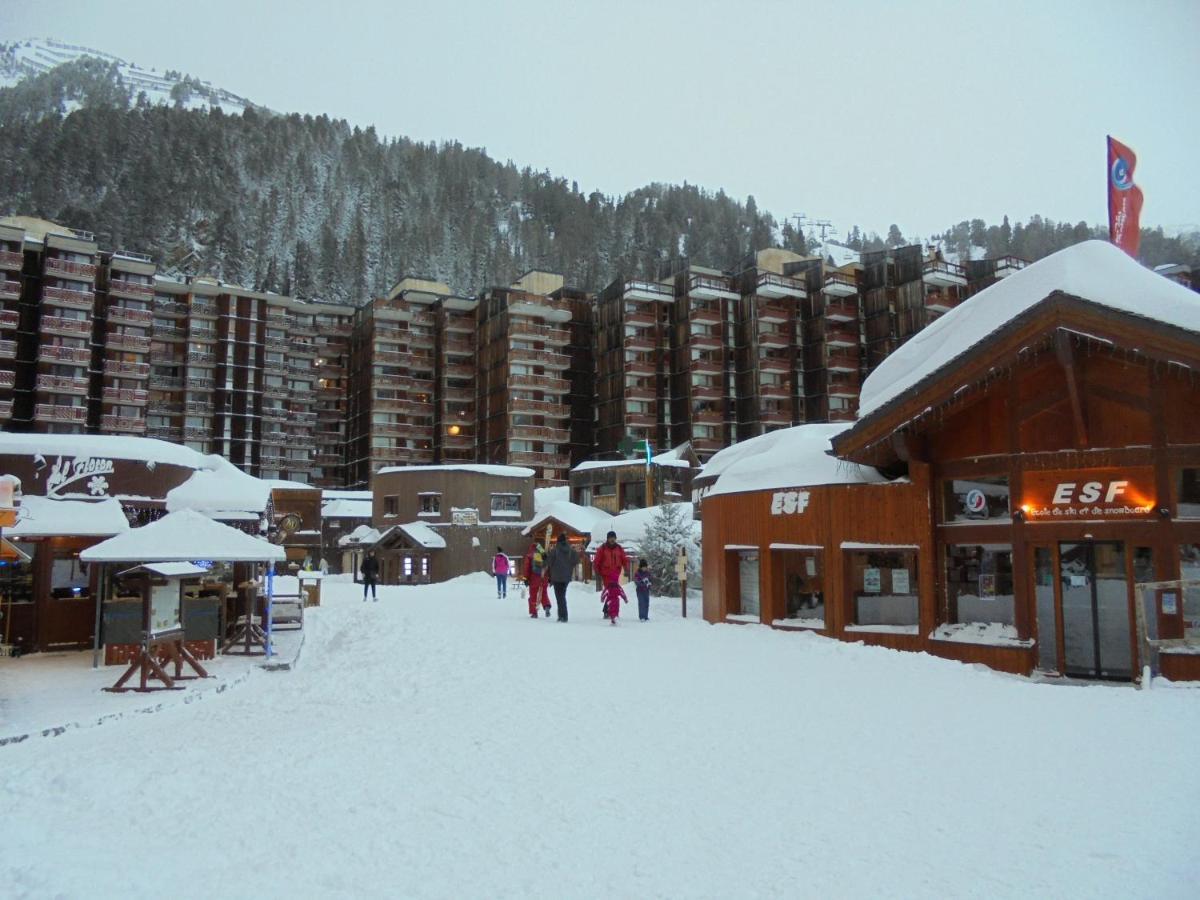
point(439, 743)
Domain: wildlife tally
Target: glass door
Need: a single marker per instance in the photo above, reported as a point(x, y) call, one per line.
point(1047, 609)
point(1095, 609)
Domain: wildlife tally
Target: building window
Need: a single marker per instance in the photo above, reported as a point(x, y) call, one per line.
point(804, 591)
point(884, 586)
point(1187, 494)
point(431, 504)
point(506, 505)
point(979, 584)
point(391, 506)
point(1189, 571)
point(975, 499)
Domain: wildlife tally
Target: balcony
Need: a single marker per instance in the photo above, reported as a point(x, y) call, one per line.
point(452, 347)
point(53, 412)
point(528, 458)
point(639, 392)
point(303, 329)
point(706, 366)
point(940, 273)
point(648, 291)
point(774, 337)
point(640, 420)
point(539, 383)
point(275, 414)
point(458, 442)
point(525, 328)
point(547, 358)
point(705, 340)
point(11, 260)
point(198, 407)
point(7, 378)
point(202, 333)
point(841, 337)
point(774, 391)
point(643, 319)
point(459, 324)
point(840, 309)
point(10, 290)
point(62, 384)
point(539, 407)
point(774, 364)
point(164, 432)
point(56, 296)
point(70, 327)
point(640, 366)
point(839, 284)
point(768, 284)
point(61, 268)
point(125, 396)
point(203, 308)
point(706, 445)
point(79, 356)
point(707, 392)
point(198, 383)
point(842, 415)
point(842, 360)
point(169, 332)
point(539, 307)
point(458, 395)
point(278, 391)
point(711, 287)
point(458, 371)
point(166, 382)
point(133, 343)
point(776, 417)
point(391, 357)
point(169, 307)
point(8, 350)
point(641, 343)
point(1007, 265)
point(6, 409)
point(125, 369)
point(122, 288)
point(847, 388)
point(276, 437)
point(704, 312)
point(123, 424)
point(278, 318)
point(774, 312)
point(128, 316)
point(302, 348)
point(195, 433)
point(538, 433)
point(402, 382)
point(327, 459)
point(940, 301)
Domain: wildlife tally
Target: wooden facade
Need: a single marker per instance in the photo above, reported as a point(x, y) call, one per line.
point(1049, 473)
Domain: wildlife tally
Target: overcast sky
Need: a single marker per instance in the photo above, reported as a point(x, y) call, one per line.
point(861, 113)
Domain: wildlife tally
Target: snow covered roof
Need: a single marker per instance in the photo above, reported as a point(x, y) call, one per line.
point(420, 534)
point(1093, 270)
point(333, 494)
point(789, 457)
point(148, 450)
point(221, 490)
point(169, 569)
point(180, 537)
point(631, 526)
point(544, 496)
point(45, 517)
point(346, 509)
point(363, 535)
point(578, 518)
point(669, 458)
point(500, 471)
point(277, 484)
point(838, 255)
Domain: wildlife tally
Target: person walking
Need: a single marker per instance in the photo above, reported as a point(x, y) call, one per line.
point(368, 571)
point(610, 563)
point(641, 582)
point(535, 566)
point(560, 566)
point(501, 566)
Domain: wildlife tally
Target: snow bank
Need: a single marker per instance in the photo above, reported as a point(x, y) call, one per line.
point(1094, 270)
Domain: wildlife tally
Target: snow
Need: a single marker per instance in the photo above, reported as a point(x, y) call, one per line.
point(1093, 270)
point(363, 535)
point(582, 519)
point(862, 545)
point(221, 490)
point(180, 537)
point(45, 517)
point(499, 471)
point(631, 525)
point(544, 496)
point(421, 535)
point(796, 547)
point(393, 767)
point(786, 458)
point(169, 569)
point(839, 255)
point(346, 509)
point(148, 450)
point(992, 633)
point(799, 623)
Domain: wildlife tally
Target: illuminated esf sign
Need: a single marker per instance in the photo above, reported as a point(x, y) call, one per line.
point(789, 503)
point(1089, 494)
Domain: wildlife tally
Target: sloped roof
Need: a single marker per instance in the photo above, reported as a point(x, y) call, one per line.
point(362, 536)
point(180, 537)
point(417, 533)
point(578, 518)
point(1094, 270)
point(346, 509)
point(45, 517)
point(499, 471)
point(631, 526)
point(789, 457)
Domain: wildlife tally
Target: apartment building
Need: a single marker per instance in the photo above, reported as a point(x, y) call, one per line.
point(12, 262)
point(831, 336)
point(454, 432)
point(523, 390)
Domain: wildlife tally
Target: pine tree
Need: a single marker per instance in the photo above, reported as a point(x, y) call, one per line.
point(669, 529)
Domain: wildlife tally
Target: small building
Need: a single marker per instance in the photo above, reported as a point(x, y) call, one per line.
point(1041, 447)
point(578, 523)
point(473, 508)
point(341, 513)
point(621, 484)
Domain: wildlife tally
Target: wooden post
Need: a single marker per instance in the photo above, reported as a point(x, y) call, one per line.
point(681, 573)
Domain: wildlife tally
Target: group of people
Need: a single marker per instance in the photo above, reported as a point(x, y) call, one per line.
point(541, 569)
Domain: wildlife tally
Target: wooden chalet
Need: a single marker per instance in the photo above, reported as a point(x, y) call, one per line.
point(1042, 442)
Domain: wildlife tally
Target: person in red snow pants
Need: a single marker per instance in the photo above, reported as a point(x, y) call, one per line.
point(610, 563)
point(535, 577)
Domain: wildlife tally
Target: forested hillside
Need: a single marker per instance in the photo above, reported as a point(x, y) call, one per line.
point(317, 208)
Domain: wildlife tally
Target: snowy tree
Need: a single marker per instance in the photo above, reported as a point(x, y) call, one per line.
point(670, 528)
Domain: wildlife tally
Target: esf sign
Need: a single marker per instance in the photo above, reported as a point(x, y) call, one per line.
point(1091, 494)
point(789, 503)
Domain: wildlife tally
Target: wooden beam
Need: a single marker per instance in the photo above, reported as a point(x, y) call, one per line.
point(910, 447)
point(1066, 358)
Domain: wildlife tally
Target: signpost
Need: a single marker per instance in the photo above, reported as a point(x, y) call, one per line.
point(681, 574)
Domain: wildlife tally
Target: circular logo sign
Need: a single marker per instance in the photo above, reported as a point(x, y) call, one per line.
point(976, 502)
point(1121, 178)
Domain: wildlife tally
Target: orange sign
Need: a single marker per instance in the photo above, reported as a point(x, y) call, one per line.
point(1060, 496)
point(8, 517)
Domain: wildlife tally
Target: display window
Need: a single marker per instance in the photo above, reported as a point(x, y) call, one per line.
point(979, 584)
point(884, 585)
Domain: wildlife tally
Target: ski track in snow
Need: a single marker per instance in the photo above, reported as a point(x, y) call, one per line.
point(439, 743)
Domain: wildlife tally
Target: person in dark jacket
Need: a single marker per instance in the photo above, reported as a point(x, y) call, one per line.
point(641, 581)
point(368, 571)
point(560, 565)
